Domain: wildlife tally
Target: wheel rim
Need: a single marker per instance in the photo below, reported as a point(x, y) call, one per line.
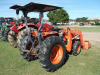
point(56, 54)
point(78, 50)
point(31, 50)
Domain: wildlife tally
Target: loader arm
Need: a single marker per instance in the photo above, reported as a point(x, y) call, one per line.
point(80, 35)
point(74, 35)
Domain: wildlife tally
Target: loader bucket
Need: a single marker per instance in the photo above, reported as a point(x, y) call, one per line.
point(87, 45)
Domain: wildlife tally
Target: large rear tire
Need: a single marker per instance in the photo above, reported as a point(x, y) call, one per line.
point(27, 45)
point(12, 38)
point(6, 34)
point(22, 35)
point(52, 54)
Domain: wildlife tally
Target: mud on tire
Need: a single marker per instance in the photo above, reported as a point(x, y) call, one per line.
point(22, 35)
point(12, 38)
point(26, 45)
point(47, 53)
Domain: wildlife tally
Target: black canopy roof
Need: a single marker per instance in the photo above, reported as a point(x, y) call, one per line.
point(35, 7)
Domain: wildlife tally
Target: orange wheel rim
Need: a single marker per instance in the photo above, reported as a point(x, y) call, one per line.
point(78, 50)
point(56, 54)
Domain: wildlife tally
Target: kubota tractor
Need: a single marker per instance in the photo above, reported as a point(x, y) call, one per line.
point(18, 30)
point(51, 47)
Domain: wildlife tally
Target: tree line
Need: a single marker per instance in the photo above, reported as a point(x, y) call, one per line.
point(58, 16)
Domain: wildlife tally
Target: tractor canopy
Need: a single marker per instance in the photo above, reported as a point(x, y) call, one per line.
point(35, 7)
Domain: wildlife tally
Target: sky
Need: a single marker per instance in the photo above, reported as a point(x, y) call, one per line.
point(75, 8)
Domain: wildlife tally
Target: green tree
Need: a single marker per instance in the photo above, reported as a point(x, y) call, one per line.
point(96, 21)
point(58, 16)
point(51, 15)
point(83, 19)
point(1, 18)
point(28, 18)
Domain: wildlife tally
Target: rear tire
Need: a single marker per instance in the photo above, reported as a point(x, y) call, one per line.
point(12, 38)
point(22, 35)
point(47, 53)
point(6, 34)
point(76, 48)
point(26, 45)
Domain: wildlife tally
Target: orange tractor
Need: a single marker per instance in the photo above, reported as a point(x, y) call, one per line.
point(51, 47)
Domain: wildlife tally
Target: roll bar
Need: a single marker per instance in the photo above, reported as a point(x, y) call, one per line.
point(34, 7)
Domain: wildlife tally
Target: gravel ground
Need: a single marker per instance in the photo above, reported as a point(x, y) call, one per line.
point(92, 36)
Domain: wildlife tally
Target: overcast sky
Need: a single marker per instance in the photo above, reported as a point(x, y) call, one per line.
point(75, 8)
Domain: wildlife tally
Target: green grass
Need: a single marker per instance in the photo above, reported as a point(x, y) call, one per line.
point(2, 39)
point(11, 63)
point(85, 29)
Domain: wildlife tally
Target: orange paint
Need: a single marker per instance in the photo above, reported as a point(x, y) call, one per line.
point(69, 41)
point(79, 48)
point(87, 45)
point(56, 54)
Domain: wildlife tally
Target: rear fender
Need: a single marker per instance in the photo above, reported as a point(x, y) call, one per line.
point(29, 25)
point(13, 28)
point(46, 27)
point(11, 23)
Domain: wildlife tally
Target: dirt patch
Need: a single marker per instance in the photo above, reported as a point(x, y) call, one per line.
point(91, 36)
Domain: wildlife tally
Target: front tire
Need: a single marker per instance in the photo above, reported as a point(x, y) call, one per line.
point(52, 54)
point(76, 48)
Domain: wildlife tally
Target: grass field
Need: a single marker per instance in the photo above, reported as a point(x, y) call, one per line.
point(11, 63)
point(85, 29)
point(87, 63)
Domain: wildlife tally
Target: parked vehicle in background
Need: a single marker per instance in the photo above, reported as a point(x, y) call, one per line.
point(8, 21)
point(81, 24)
point(1, 28)
point(1, 22)
point(5, 27)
